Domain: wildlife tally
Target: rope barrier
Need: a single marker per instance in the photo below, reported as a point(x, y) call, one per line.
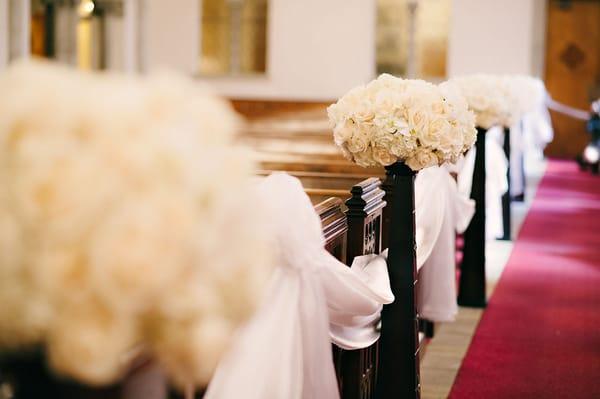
point(567, 110)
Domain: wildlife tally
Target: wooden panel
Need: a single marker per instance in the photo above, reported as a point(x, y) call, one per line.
point(572, 68)
point(299, 163)
point(259, 108)
point(38, 35)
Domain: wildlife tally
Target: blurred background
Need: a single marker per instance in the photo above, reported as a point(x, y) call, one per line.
point(270, 56)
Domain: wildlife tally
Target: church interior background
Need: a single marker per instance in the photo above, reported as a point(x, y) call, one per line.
point(281, 63)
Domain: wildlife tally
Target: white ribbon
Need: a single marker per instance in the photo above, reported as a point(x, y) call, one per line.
point(284, 351)
point(567, 110)
point(441, 211)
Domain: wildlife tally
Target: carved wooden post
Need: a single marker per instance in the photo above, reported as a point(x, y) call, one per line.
point(334, 226)
point(399, 343)
point(506, 213)
point(472, 271)
point(364, 218)
point(357, 369)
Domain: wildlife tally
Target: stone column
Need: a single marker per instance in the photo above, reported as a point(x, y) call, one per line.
point(4, 37)
point(19, 16)
point(411, 66)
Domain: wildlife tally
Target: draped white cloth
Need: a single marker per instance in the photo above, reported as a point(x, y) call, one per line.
point(496, 182)
point(517, 152)
point(284, 351)
point(537, 129)
point(440, 211)
point(529, 137)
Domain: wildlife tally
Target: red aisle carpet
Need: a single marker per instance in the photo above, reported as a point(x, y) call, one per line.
point(540, 334)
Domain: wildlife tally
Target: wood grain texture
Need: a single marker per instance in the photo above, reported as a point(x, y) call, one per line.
point(572, 69)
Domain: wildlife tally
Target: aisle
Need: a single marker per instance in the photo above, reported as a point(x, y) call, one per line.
point(540, 335)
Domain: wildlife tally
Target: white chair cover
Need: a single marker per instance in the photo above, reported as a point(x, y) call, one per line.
point(284, 351)
point(440, 212)
point(496, 180)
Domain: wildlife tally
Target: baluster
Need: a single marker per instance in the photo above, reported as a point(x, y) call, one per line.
point(472, 271)
point(364, 216)
point(399, 351)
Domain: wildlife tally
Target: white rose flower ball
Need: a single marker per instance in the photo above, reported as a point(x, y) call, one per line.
point(395, 120)
point(117, 221)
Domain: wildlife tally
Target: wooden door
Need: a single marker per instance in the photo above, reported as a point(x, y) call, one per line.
point(572, 68)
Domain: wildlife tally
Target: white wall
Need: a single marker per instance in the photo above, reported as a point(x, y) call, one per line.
point(131, 35)
point(3, 33)
point(317, 50)
point(19, 44)
point(496, 36)
point(170, 34)
point(14, 30)
point(540, 20)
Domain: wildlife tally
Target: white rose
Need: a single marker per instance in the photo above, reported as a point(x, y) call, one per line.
point(422, 159)
point(358, 143)
point(383, 156)
point(418, 120)
point(365, 158)
point(363, 115)
point(344, 131)
point(431, 135)
point(398, 146)
point(382, 139)
point(450, 140)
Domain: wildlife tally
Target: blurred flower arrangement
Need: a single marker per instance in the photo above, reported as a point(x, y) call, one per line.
point(123, 223)
point(411, 121)
point(527, 91)
point(492, 98)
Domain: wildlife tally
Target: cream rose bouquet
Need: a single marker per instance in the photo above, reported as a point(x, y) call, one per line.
point(396, 120)
point(490, 97)
point(122, 223)
point(528, 93)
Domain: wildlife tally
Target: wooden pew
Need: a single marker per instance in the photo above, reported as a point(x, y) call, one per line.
point(314, 163)
point(353, 233)
point(357, 371)
point(324, 175)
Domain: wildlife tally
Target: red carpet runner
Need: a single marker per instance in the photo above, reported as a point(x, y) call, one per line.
point(540, 334)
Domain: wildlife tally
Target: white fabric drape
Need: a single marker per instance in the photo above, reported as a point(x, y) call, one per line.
point(517, 152)
point(496, 183)
point(284, 351)
point(537, 128)
point(528, 139)
point(441, 211)
point(430, 210)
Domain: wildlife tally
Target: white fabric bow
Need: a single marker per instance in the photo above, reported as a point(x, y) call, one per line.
point(440, 212)
point(284, 351)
